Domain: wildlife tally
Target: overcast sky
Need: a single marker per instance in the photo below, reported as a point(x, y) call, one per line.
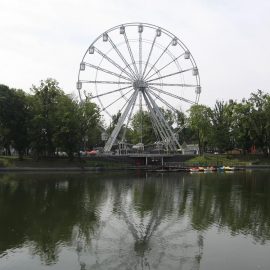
point(230, 40)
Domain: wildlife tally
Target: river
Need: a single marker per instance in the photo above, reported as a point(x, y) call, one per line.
point(135, 220)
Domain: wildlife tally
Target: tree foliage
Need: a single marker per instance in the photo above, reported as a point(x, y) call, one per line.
point(47, 121)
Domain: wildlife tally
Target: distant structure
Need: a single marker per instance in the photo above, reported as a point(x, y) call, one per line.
point(134, 68)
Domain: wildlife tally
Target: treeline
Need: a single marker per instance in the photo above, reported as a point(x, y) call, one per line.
point(46, 121)
point(244, 125)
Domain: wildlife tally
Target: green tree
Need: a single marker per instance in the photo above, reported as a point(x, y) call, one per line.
point(142, 129)
point(45, 103)
point(67, 135)
point(200, 123)
point(91, 125)
point(183, 129)
point(221, 118)
point(241, 125)
point(260, 131)
point(14, 119)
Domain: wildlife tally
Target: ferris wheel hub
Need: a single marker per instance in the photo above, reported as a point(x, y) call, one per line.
point(140, 85)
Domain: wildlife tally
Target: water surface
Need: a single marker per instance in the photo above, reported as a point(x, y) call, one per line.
point(135, 221)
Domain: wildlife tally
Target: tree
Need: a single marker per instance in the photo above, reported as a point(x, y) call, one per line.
point(91, 125)
point(67, 135)
point(260, 126)
point(221, 118)
point(200, 123)
point(142, 129)
point(241, 125)
point(185, 133)
point(45, 103)
point(14, 119)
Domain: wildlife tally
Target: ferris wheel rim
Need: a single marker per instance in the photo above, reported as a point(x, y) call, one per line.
point(157, 71)
point(140, 80)
point(170, 34)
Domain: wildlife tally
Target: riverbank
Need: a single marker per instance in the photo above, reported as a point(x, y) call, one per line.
point(13, 164)
point(229, 160)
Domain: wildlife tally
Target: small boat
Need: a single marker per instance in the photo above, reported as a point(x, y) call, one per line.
point(201, 169)
point(194, 169)
point(209, 169)
point(228, 168)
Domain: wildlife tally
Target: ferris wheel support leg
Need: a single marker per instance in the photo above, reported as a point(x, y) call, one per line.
point(169, 106)
point(128, 120)
point(162, 120)
point(157, 128)
point(113, 136)
point(160, 127)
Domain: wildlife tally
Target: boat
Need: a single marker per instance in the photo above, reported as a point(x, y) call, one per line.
point(194, 169)
point(228, 168)
point(209, 169)
point(201, 169)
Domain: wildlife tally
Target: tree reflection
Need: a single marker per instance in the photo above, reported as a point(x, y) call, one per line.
point(43, 210)
point(121, 221)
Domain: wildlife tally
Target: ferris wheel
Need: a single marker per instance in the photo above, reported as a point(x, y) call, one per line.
point(137, 67)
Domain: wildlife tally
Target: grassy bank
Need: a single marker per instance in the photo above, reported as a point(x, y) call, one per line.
point(107, 163)
point(9, 162)
point(229, 160)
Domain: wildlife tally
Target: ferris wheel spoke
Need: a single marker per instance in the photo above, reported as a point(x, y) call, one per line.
point(157, 60)
point(149, 55)
point(158, 70)
point(122, 96)
point(162, 100)
point(113, 91)
point(107, 71)
point(140, 54)
point(121, 56)
point(113, 62)
point(131, 55)
point(122, 108)
point(172, 95)
point(104, 82)
point(173, 84)
point(169, 75)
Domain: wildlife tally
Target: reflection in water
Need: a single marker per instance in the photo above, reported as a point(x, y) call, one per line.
point(129, 222)
point(145, 231)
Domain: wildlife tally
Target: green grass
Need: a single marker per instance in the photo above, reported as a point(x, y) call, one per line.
point(217, 160)
point(4, 162)
point(11, 161)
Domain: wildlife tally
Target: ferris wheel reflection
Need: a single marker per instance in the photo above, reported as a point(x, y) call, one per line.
point(143, 228)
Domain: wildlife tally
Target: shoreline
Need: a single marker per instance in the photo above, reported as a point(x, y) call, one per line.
point(107, 169)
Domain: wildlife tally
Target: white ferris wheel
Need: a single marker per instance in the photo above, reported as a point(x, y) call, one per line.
point(139, 67)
